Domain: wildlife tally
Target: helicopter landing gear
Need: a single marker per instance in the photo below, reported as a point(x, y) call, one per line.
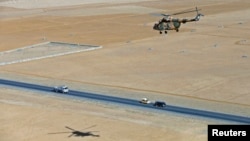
point(164, 32)
point(177, 30)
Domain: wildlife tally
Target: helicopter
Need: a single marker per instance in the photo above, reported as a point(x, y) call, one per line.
point(79, 133)
point(170, 23)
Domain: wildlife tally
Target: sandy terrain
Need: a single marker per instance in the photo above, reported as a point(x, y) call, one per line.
point(205, 65)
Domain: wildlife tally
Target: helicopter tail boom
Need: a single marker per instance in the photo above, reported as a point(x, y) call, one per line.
point(197, 18)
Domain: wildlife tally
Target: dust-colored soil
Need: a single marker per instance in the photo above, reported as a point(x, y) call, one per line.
point(205, 61)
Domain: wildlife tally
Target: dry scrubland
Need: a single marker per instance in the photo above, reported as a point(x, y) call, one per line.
point(205, 65)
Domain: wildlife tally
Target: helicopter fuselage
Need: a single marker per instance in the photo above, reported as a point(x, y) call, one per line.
point(165, 25)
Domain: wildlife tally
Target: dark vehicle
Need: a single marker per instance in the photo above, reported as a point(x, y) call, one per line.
point(160, 104)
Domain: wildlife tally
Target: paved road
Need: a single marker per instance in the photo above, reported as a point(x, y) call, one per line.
point(131, 102)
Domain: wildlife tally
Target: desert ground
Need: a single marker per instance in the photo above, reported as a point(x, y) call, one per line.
point(204, 66)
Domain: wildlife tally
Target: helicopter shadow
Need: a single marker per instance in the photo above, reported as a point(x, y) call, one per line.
point(77, 133)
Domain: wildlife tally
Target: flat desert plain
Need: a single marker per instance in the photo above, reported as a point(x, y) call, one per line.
point(204, 66)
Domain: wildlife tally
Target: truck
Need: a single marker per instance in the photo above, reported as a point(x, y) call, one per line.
point(61, 89)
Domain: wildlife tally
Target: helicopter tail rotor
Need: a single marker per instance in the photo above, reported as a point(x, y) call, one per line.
point(198, 16)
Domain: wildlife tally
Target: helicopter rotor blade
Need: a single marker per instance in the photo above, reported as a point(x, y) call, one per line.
point(186, 12)
point(70, 128)
point(177, 13)
point(93, 131)
point(166, 15)
point(59, 132)
point(191, 9)
point(70, 135)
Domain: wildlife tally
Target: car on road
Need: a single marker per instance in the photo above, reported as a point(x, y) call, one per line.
point(144, 101)
point(160, 104)
point(61, 89)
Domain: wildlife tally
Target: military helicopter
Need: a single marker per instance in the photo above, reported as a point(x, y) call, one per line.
point(79, 133)
point(170, 23)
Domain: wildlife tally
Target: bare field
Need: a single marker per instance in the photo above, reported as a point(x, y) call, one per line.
point(206, 61)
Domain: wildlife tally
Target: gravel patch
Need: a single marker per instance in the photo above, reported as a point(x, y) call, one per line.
point(41, 51)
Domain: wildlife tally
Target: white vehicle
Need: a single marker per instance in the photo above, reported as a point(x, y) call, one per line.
point(61, 89)
point(145, 101)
